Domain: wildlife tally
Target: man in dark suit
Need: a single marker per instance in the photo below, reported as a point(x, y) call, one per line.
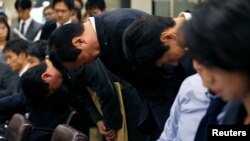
point(95, 77)
point(63, 10)
point(151, 47)
point(102, 37)
point(8, 81)
point(26, 27)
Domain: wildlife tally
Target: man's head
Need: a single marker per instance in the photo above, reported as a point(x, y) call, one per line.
point(63, 10)
point(218, 40)
point(79, 4)
point(39, 81)
point(48, 13)
point(74, 44)
point(151, 41)
point(94, 7)
point(23, 8)
point(37, 52)
point(16, 54)
point(76, 16)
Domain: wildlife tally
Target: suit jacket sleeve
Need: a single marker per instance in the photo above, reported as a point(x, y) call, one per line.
point(10, 105)
point(99, 79)
point(8, 82)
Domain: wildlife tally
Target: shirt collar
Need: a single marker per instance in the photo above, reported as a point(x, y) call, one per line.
point(27, 24)
point(211, 95)
point(23, 70)
point(92, 21)
point(58, 24)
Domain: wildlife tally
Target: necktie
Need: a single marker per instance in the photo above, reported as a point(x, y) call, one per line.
point(22, 28)
point(214, 108)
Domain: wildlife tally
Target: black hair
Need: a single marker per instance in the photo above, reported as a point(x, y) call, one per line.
point(60, 42)
point(47, 7)
point(218, 35)
point(4, 21)
point(2, 14)
point(142, 44)
point(38, 49)
point(17, 46)
point(100, 4)
point(68, 3)
point(34, 88)
point(23, 4)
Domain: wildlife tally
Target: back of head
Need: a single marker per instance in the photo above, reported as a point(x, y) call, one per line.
point(34, 88)
point(60, 41)
point(38, 49)
point(17, 46)
point(100, 4)
point(142, 43)
point(218, 35)
point(23, 4)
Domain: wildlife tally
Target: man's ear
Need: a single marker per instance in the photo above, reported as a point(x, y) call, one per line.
point(46, 76)
point(167, 37)
point(76, 41)
point(197, 66)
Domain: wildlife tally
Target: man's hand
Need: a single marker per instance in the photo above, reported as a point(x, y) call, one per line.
point(112, 135)
point(109, 134)
point(102, 128)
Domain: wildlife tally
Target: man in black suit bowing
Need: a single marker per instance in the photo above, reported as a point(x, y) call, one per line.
point(102, 36)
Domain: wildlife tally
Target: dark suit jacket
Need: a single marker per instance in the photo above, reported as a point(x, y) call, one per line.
point(238, 116)
point(158, 87)
point(101, 80)
point(96, 77)
point(47, 29)
point(109, 27)
point(32, 31)
point(8, 80)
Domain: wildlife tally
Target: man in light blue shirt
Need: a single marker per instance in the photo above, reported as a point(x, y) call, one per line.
point(189, 107)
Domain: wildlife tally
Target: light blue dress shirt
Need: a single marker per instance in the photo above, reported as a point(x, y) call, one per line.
point(187, 111)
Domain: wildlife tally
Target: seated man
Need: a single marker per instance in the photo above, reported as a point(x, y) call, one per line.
point(48, 108)
point(8, 80)
point(20, 104)
point(188, 109)
point(110, 107)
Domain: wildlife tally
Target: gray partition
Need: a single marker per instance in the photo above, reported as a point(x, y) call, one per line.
point(162, 7)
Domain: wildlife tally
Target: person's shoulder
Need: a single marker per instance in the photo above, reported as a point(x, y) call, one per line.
point(193, 79)
point(124, 11)
point(36, 24)
point(4, 68)
point(131, 10)
point(50, 23)
point(192, 85)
